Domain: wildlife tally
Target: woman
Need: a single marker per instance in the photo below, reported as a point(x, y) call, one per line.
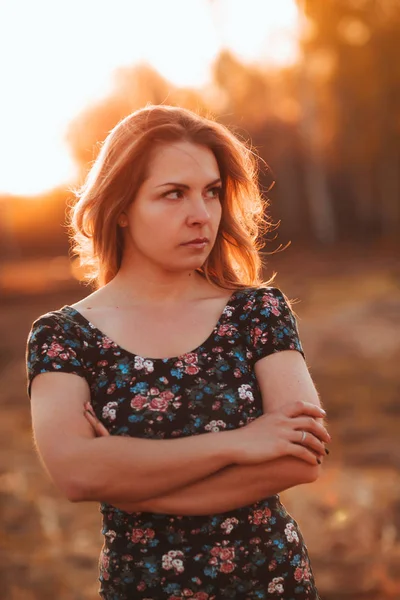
point(203, 407)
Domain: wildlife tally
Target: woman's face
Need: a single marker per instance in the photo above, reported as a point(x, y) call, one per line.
point(178, 202)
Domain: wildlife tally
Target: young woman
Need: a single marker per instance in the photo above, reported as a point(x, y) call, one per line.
point(203, 406)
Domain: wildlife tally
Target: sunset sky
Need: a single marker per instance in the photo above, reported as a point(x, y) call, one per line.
point(58, 57)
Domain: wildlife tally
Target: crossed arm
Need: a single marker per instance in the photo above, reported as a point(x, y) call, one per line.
point(282, 377)
point(204, 474)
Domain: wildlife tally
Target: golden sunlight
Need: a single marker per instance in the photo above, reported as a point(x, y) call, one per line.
point(61, 58)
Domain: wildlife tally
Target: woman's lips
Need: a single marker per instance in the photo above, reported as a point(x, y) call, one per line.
point(199, 243)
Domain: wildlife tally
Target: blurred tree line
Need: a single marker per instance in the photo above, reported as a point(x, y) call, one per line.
point(328, 129)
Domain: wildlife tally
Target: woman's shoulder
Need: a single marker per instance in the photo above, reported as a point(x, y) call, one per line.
point(58, 321)
point(261, 293)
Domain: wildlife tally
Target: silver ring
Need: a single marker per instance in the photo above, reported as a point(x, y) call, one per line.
point(303, 437)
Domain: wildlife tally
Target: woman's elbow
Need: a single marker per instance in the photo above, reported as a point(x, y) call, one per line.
point(72, 488)
point(311, 473)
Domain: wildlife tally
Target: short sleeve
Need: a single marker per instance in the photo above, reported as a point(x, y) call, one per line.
point(52, 347)
point(273, 325)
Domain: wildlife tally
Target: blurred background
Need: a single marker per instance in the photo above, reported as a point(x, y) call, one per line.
point(315, 86)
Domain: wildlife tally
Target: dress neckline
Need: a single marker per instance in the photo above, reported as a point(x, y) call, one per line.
point(80, 317)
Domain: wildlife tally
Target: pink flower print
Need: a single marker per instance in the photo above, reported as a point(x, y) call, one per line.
point(272, 565)
point(154, 391)
point(227, 554)
point(167, 395)
point(160, 404)
point(111, 388)
point(137, 535)
point(218, 349)
point(256, 335)
point(260, 516)
point(237, 373)
point(226, 330)
point(191, 369)
point(106, 342)
point(141, 586)
point(227, 567)
point(102, 363)
point(138, 401)
point(105, 561)
point(201, 596)
point(187, 593)
point(255, 540)
point(248, 305)
point(269, 300)
point(190, 358)
point(54, 350)
point(298, 574)
point(216, 405)
point(149, 533)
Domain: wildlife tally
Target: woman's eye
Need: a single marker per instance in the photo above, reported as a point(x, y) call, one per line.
point(215, 192)
point(173, 194)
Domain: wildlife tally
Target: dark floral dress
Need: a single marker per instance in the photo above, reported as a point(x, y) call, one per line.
point(254, 552)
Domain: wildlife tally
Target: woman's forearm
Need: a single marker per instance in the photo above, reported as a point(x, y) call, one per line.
point(122, 469)
point(232, 487)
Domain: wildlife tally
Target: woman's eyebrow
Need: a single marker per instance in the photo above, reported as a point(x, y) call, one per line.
point(187, 187)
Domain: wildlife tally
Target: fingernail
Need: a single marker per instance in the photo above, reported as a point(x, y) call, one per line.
point(318, 461)
point(326, 451)
point(323, 411)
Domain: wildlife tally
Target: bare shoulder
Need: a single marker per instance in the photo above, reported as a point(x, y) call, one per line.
point(96, 299)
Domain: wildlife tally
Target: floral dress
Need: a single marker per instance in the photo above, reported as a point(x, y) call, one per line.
point(253, 552)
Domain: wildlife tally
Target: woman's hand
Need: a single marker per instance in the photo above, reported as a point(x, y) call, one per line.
point(291, 431)
point(97, 426)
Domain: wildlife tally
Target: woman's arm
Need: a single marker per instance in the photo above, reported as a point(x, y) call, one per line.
point(231, 488)
point(117, 468)
point(120, 469)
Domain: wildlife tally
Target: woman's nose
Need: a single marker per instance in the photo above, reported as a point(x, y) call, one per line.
point(198, 213)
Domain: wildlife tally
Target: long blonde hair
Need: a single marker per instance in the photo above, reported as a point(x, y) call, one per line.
point(120, 169)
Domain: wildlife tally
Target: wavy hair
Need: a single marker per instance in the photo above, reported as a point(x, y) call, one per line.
point(120, 169)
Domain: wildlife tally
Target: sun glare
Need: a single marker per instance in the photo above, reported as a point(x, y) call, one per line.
point(61, 56)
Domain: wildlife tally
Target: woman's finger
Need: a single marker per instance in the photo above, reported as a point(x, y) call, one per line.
point(304, 423)
point(310, 441)
point(295, 409)
point(303, 453)
point(98, 427)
